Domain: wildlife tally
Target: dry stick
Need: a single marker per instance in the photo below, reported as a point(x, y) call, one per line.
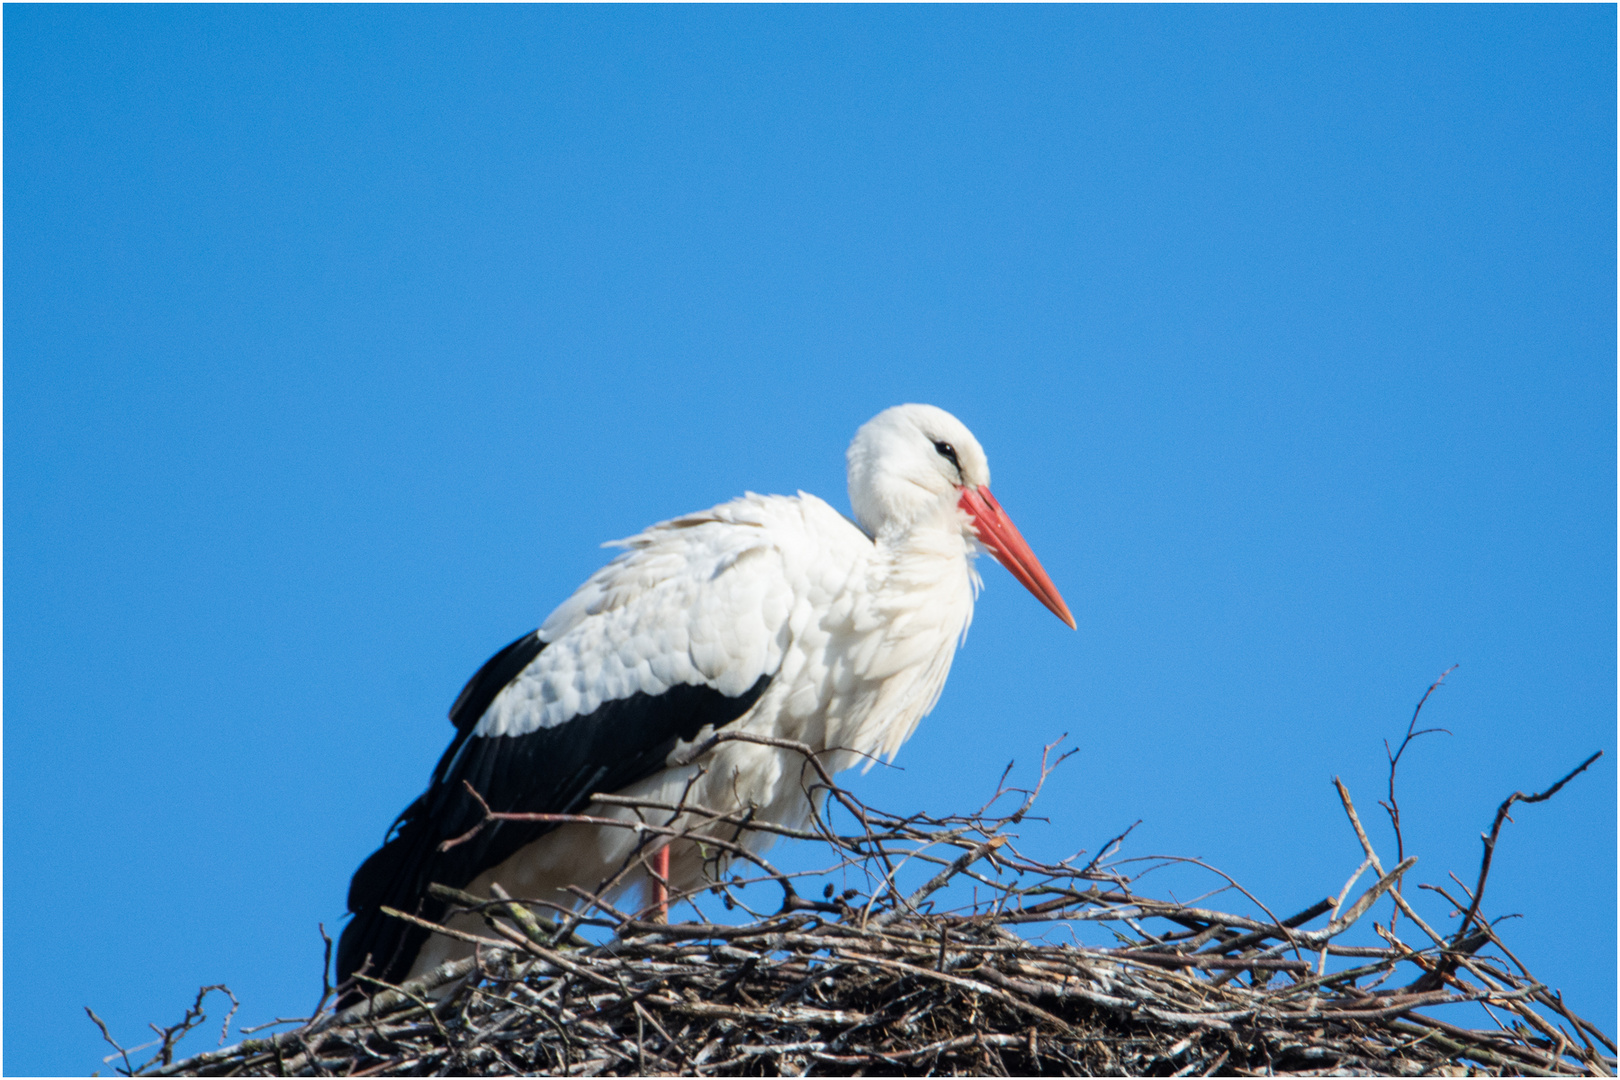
point(850, 804)
point(1488, 933)
point(640, 827)
point(519, 914)
point(1512, 1065)
point(717, 817)
point(966, 984)
point(1473, 910)
point(1367, 848)
point(811, 756)
point(1254, 936)
point(1392, 807)
point(1499, 1043)
point(1527, 1013)
point(544, 819)
point(1359, 908)
point(1216, 963)
point(326, 981)
point(169, 1036)
point(1338, 903)
point(1496, 827)
point(1108, 848)
point(129, 1069)
point(1221, 873)
point(427, 924)
point(936, 883)
point(541, 928)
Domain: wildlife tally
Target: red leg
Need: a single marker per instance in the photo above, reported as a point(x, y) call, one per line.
point(661, 882)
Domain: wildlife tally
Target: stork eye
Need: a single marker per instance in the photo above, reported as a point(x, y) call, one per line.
point(948, 452)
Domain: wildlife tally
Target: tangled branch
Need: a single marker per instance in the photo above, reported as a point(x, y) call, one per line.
point(937, 944)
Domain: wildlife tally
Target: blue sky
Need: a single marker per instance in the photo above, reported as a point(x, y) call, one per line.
point(338, 338)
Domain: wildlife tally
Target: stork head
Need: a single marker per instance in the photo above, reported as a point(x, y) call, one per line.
point(917, 464)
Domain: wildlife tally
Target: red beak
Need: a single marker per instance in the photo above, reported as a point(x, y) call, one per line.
point(998, 533)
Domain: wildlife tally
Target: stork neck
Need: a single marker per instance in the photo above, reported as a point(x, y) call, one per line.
point(937, 524)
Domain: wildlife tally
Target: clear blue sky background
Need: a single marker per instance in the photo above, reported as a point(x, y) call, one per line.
point(338, 338)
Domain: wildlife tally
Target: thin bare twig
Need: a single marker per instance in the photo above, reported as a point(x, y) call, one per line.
point(1496, 828)
point(1393, 807)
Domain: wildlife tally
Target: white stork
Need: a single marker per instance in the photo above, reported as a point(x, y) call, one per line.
point(768, 614)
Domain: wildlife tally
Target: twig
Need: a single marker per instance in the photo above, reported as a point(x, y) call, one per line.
point(1496, 827)
point(129, 1069)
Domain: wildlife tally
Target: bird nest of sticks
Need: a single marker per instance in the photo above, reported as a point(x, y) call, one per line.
point(936, 945)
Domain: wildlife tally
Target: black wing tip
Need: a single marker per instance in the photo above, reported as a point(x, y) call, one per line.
point(492, 678)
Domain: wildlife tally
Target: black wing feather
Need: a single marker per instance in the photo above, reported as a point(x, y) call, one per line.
point(550, 770)
point(492, 678)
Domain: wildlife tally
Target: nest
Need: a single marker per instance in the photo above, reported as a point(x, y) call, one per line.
point(959, 954)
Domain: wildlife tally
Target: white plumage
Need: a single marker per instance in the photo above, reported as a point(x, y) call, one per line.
point(822, 631)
